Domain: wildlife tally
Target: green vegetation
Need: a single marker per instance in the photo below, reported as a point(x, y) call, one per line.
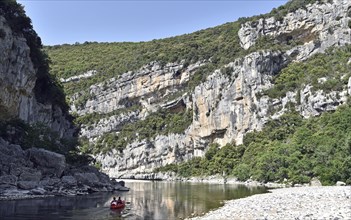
point(158, 123)
point(333, 65)
point(288, 147)
point(40, 136)
point(47, 89)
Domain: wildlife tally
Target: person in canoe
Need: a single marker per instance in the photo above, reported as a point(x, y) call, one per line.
point(116, 201)
point(116, 204)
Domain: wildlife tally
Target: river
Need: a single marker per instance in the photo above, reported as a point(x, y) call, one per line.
point(145, 200)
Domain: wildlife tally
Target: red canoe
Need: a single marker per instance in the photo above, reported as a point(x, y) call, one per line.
point(114, 205)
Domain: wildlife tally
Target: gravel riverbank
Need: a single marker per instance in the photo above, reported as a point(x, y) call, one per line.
point(324, 202)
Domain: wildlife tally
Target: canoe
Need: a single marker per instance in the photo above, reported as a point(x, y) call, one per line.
point(114, 205)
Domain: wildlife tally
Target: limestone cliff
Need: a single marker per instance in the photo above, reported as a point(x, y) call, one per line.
point(30, 100)
point(229, 103)
point(18, 78)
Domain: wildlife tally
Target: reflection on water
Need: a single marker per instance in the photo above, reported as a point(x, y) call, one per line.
point(145, 200)
point(168, 200)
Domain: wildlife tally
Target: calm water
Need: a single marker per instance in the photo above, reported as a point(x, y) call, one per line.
point(145, 200)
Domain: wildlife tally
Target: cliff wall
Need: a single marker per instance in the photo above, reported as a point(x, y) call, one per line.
point(230, 102)
point(18, 78)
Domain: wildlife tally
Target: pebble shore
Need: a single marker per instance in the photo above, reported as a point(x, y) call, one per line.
point(321, 202)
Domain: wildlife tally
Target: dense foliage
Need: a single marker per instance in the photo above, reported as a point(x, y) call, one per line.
point(46, 89)
point(288, 147)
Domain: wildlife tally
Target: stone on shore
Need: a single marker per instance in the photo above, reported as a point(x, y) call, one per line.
point(323, 202)
point(340, 183)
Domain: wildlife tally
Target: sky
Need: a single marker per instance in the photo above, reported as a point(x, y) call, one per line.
point(71, 21)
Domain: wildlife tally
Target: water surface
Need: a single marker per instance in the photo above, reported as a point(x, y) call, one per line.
point(145, 200)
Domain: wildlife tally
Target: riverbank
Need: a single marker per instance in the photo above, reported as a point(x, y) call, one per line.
point(215, 179)
point(322, 202)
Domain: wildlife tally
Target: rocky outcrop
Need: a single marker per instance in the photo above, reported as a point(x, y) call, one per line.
point(318, 27)
point(41, 172)
point(227, 108)
point(146, 86)
point(17, 80)
point(49, 162)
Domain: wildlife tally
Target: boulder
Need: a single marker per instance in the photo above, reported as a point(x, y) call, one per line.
point(121, 188)
point(49, 182)
point(315, 182)
point(89, 179)
point(27, 185)
point(340, 183)
point(38, 191)
point(32, 175)
point(69, 181)
point(49, 162)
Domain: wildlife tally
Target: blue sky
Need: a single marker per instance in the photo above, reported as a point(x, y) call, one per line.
point(69, 21)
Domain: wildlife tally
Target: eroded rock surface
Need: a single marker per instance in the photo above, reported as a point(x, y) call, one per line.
point(41, 172)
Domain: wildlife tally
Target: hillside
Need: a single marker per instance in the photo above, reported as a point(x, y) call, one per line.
point(218, 100)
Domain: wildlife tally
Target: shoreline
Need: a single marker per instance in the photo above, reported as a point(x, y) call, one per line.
point(215, 179)
point(312, 202)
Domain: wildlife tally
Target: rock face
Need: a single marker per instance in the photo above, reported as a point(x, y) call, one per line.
point(327, 22)
point(228, 104)
point(41, 172)
point(17, 80)
point(149, 84)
